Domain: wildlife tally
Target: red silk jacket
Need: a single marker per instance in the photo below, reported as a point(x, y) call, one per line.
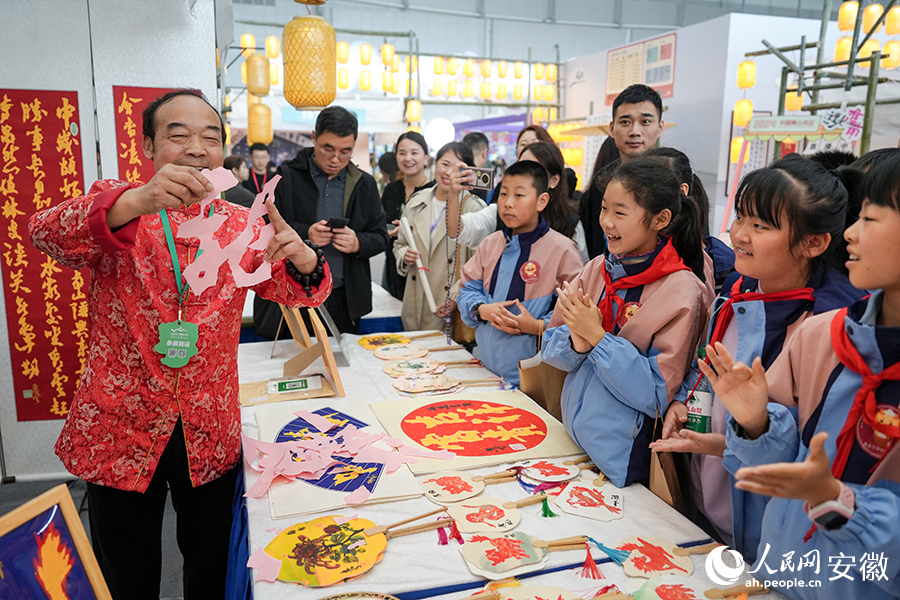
point(128, 403)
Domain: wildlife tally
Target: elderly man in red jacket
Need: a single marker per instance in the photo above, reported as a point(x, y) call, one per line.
point(137, 426)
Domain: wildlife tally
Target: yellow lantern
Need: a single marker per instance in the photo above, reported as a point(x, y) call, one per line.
point(452, 66)
point(538, 70)
point(549, 92)
point(386, 78)
point(743, 112)
point(736, 144)
point(577, 157)
point(451, 88)
point(257, 74)
point(395, 64)
point(537, 114)
point(517, 91)
point(468, 90)
point(892, 50)
point(871, 14)
point(411, 87)
point(437, 88)
point(847, 16)
point(413, 111)
point(842, 49)
point(343, 53)
point(259, 124)
point(343, 78)
point(519, 69)
point(866, 51)
point(365, 80)
point(892, 22)
point(485, 91)
point(387, 55)
point(746, 74)
point(469, 68)
point(553, 114)
point(248, 44)
point(274, 74)
point(273, 46)
point(486, 67)
point(414, 128)
point(501, 91)
point(412, 63)
point(395, 85)
point(244, 72)
point(251, 99)
point(365, 54)
point(227, 134)
point(501, 68)
point(538, 92)
point(550, 72)
point(309, 61)
point(438, 65)
point(793, 101)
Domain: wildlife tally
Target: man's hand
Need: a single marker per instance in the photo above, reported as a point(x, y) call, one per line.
point(345, 240)
point(286, 243)
point(392, 233)
point(173, 186)
point(320, 234)
point(445, 310)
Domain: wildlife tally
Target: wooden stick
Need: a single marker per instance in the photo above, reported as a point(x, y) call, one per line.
point(601, 479)
point(569, 541)
point(424, 335)
point(569, 547)
point(536, 499)
point(452, 363)
point(509, 479)
point(704, 549)
point(752, 589)
point(382, 528)
point(418, 528)
point(498, 475)
point(577, 461)
point(444, 349)
point(495, 382)
point(486, 596)
point(587, 466)
point(423, 272)
point(486, 380)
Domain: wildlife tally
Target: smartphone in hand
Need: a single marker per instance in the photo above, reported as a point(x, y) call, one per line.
point(337, 222)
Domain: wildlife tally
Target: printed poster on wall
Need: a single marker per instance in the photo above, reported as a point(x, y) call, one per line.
point(129, 104)
point(651, 62)
point(46, 303)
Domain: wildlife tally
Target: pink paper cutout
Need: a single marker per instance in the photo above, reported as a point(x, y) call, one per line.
point(358, 496)
point(342, 520)
point(271, 529)
point(267, 568)
point(203, 272)
point(356, 544)
point(425, 453)
point(317, 421)
point(391, 460)
point(393, 442)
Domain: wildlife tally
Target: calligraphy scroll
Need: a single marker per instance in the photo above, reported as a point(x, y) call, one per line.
point(46, 304)
point(129, 104)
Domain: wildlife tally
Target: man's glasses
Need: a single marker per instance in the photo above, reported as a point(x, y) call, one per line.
point(329, 154)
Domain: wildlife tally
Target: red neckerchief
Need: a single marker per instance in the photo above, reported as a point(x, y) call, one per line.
point(256, 183)
point(726, 313)
point(864, 403)
point(666, 262)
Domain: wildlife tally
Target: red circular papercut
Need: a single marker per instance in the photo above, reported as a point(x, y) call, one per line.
point(474, 428)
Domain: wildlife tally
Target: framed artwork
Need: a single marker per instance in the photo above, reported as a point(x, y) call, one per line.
point(45, 552)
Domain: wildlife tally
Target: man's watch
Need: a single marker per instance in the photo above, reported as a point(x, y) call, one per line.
point(833, 514)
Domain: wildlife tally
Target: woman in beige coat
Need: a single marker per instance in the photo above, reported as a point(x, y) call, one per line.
point(426, 212)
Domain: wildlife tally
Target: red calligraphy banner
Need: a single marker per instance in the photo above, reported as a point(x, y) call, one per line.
point(46, 303)
point(129, 103)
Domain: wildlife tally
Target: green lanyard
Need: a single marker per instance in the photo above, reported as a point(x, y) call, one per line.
point(173, 253)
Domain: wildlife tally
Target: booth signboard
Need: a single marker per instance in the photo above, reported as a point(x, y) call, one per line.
point(781, 127)
point(651, 62)
point(129, 103)
point(46, 303)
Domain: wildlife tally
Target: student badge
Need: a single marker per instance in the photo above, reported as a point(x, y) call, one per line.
point(530, 271)
point(628, 310)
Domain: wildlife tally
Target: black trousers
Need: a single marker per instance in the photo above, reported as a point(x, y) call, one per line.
point(336, 303)
point(126, 529)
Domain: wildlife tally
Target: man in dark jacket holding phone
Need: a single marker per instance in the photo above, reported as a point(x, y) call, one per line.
point(331, 202)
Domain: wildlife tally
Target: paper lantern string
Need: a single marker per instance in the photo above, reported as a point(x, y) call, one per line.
point(590, 570)
point(617, 556)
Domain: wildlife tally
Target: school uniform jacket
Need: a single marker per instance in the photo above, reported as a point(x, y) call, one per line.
point(763, 329)
point(415, 313)
point(613, 393)
point(528, 267)
point(809, 376)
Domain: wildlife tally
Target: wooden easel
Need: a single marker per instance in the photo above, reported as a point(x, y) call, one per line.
point(310, 350)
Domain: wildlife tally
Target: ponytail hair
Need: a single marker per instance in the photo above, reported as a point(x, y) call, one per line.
point(681, 165)
point(812, 199)
point(654, 187)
